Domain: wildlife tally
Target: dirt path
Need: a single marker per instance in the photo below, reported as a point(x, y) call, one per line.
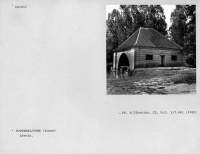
point(181, 89)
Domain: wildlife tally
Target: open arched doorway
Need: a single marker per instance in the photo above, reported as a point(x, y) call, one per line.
point(123, 61)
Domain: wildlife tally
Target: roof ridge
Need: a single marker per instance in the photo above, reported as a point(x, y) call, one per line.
point(166, 38)
point(137, 36)
point(126, 40)
point(152, 34)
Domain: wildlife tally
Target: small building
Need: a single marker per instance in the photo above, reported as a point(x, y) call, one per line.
point(147, 48)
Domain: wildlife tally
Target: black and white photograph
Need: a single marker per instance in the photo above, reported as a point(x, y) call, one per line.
point(73, 82)
point(151, 49)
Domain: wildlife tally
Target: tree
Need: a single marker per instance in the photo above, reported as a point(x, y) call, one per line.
point(190, 39)
point(150, 16)
point(178, 27)
point(114, 32)
point(183, 30)
point(121, 24)
point(155, 18)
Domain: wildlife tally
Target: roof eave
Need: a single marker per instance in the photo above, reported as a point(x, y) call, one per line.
point(159, 47)
point(136, 46)
point(125, 40)
point(123, 49)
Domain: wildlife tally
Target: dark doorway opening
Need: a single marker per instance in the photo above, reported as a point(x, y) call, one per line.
point(123, 61)
point(162, 60)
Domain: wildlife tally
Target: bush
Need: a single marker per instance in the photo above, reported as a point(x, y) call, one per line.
point(108, 66)
point(191, 60)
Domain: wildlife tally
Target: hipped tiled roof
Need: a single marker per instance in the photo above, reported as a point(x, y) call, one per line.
point(148, 37)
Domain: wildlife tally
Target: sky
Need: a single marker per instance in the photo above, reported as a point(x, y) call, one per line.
point(168, 9)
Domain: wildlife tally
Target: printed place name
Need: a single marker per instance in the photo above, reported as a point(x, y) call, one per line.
point(30, 132)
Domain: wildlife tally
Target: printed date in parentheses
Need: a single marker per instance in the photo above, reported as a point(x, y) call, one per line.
point(183, 112)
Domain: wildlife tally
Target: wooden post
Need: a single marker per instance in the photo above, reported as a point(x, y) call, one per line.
point(115, 61)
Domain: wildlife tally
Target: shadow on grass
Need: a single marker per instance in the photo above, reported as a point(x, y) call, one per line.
point(185, 78)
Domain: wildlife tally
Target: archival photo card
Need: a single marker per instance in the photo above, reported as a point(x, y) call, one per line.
point(72, 82)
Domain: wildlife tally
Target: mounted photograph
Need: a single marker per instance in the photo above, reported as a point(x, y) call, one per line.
point(150, 49)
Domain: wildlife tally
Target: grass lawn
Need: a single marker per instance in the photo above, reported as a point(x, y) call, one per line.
point(169, 80)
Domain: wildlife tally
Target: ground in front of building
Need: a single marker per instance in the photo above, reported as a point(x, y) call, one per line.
point(167, 80)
